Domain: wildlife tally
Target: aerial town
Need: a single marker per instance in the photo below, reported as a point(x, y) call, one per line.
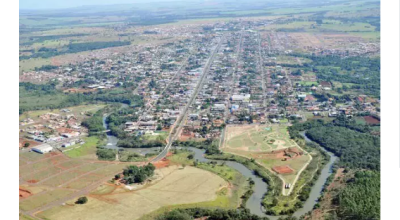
point(261, 92)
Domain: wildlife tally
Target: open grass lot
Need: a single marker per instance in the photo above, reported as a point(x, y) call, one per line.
point(296, 164)
point(307, 83)
point(32, 101)
point(178, 186)
point(257, 138)
point(291, 60)
point(269, 145)
point(42, 199)
point(86, 150)
point(76, 110)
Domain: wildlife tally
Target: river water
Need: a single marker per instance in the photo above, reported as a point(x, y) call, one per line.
point(259, 188)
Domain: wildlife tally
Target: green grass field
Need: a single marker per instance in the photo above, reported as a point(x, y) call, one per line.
point(257, 138)
point(86, 149)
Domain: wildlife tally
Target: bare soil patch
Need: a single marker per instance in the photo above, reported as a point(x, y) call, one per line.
point(23, 193)
point(371, 120)
point(282, 169)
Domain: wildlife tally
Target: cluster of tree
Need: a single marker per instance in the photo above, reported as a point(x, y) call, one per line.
point(135, 174)
point(74, 48)
point(211, 214)
point(211, 146)
point(126, 156)
point(360, 199)
point(139, 142)
point(105, 96)
point(105, 154)
point(116, 121)
point(46, 68)
point(30, 89)
point(344, 121)
point(362, 72)
point(48, 88)
point(95, 123)
point(40, 39)
point(247, 194)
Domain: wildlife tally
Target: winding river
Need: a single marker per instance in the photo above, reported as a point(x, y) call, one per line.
point(260, 187)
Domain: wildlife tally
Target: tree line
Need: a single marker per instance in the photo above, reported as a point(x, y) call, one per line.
point(73, 48)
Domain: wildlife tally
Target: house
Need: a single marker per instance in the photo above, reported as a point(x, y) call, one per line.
point(301, 96)
point(68, 144)
point(325, 85)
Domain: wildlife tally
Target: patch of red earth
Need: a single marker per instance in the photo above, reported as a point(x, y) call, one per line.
point(32, 181)
point(22, 142)
point(282, 169)
point(78, 90)
point(23, 193)
point(64, 130)
point(163, 163)
point(317, 214)
point(371, 120)
point(338, 175)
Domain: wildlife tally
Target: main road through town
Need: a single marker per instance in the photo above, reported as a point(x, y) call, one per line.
point(173, 135)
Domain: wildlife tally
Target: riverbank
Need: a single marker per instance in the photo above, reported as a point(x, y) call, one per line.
point(267, 197)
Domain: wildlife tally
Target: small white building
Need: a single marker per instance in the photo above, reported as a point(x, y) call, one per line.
point(42, 149)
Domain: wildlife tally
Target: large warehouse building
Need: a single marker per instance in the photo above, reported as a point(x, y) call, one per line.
point(43, 148)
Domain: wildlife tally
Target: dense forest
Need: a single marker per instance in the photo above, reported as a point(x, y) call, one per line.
point(355, 149)
point(358, 151)
point(360, 199)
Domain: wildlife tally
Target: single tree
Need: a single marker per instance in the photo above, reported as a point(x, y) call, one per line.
point(82, 200)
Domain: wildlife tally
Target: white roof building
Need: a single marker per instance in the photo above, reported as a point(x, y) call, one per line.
point(43, 148)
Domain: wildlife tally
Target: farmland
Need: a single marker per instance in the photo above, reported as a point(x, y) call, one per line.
point(54, 177)
point(178, 186)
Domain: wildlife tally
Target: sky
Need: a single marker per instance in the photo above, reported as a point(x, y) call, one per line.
point(57, 4)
